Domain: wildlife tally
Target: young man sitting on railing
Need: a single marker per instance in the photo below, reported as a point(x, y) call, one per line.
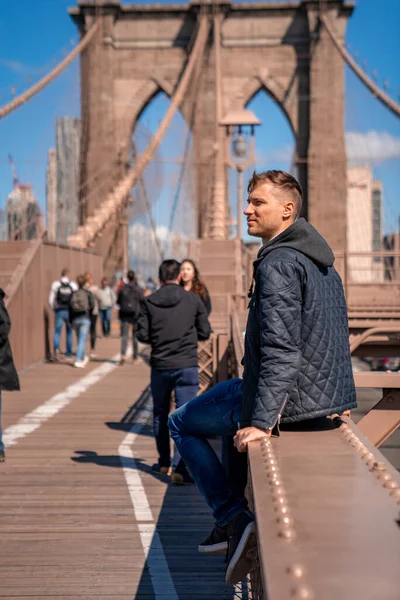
point(296, 362)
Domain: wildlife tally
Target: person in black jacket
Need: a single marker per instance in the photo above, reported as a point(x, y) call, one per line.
point(172, 321)
point(128, 300)
point(297, 364)
point(8, 374)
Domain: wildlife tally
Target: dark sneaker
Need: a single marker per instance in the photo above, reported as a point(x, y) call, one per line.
point(157, 468)
point(2, 456)
point(216, 542)
point(181, 478)
point(241, 532)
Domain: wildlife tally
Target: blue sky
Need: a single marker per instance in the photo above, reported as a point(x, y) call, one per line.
point(35, 33)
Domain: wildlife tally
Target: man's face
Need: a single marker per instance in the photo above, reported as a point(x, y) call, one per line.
point(267, 212)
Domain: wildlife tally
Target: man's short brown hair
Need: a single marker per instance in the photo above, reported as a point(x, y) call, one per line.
point(282, 180)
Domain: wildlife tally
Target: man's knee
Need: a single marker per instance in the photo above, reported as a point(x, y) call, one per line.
point(174, 423)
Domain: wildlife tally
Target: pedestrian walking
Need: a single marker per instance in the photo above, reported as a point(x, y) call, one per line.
point(107, 300)
point(59, 299)
point(80, 310)
point(128, 300)
point(191, 282)
point(172, 322)
point(8, 374)
point(297, 364)
point(95, 291)
point(151, 285)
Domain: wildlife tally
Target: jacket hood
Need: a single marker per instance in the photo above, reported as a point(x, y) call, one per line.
point(304, 238)
point(169, 295)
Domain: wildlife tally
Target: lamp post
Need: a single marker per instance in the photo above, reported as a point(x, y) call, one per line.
point(236, 123)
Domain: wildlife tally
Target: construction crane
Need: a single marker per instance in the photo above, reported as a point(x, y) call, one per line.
point(14, 172)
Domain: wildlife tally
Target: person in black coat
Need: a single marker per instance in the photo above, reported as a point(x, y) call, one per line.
point(172, 321)
point(129, 297)
point(297, 363)
point(8, 375)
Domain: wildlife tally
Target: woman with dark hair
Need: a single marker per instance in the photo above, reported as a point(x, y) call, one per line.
point(190, 280)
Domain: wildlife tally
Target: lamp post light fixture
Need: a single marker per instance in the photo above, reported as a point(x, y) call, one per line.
point(236, 124)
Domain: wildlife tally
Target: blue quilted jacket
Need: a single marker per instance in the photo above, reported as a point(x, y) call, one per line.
point(297, 361)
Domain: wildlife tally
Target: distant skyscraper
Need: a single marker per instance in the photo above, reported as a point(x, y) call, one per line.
point(23, 214)
point(68, 142)
point(51, 195)
point(364, 224)
point(3, 225)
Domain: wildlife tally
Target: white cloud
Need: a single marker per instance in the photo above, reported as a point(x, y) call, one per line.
point(371, 147)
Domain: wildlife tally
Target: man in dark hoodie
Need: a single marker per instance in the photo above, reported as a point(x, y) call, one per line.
point(172, 321)
point(297, 364)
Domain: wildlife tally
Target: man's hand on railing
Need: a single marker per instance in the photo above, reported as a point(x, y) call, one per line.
point(249, 434)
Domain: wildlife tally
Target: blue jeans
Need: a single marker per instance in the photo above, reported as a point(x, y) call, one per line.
point(105, 316)
point(185, 382)
point(81, 326)
point(1, 432)
point(62, 316)
point(214, 413)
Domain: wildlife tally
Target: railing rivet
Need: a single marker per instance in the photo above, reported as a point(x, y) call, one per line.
point(288, 534)
point(283, 509)
point(279, 498)
point(296, 571)
point(303, 592)
point(378, 466)
point(369, 459)
point(285, 521)
point(390, 485)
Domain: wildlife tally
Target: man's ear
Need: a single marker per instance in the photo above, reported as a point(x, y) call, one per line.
point(288, 209)
point(179, 278)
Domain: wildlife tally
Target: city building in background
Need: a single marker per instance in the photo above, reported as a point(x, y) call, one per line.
point(364, 225)
point(3, 226)
point(62, 181)
point(24, 218)
point(392, 263)
point(51, 195)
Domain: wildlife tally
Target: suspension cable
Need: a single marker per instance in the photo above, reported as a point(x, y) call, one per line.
point(94, 225)
point(384, 98)
point(37, 87)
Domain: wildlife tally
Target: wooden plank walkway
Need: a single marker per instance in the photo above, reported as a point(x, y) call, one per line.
point(73, 522)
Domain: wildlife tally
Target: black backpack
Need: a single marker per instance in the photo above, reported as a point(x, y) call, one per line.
point(64, 294)
point(80, 302)
point(129, 303)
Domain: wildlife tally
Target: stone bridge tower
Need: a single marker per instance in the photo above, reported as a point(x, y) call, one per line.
point(279, 47)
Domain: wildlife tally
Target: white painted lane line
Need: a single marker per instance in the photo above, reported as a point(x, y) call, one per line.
point(51, 407)
point(160, 575)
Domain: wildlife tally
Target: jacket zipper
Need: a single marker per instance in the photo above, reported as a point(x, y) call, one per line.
point(275, 428)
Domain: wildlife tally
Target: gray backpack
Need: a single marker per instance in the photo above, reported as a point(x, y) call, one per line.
point(80, 301)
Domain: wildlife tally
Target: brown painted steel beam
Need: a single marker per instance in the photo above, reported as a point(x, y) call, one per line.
point(330, 484)
point(384, 418)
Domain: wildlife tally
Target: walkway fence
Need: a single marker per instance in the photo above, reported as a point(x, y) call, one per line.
point(26, 274)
